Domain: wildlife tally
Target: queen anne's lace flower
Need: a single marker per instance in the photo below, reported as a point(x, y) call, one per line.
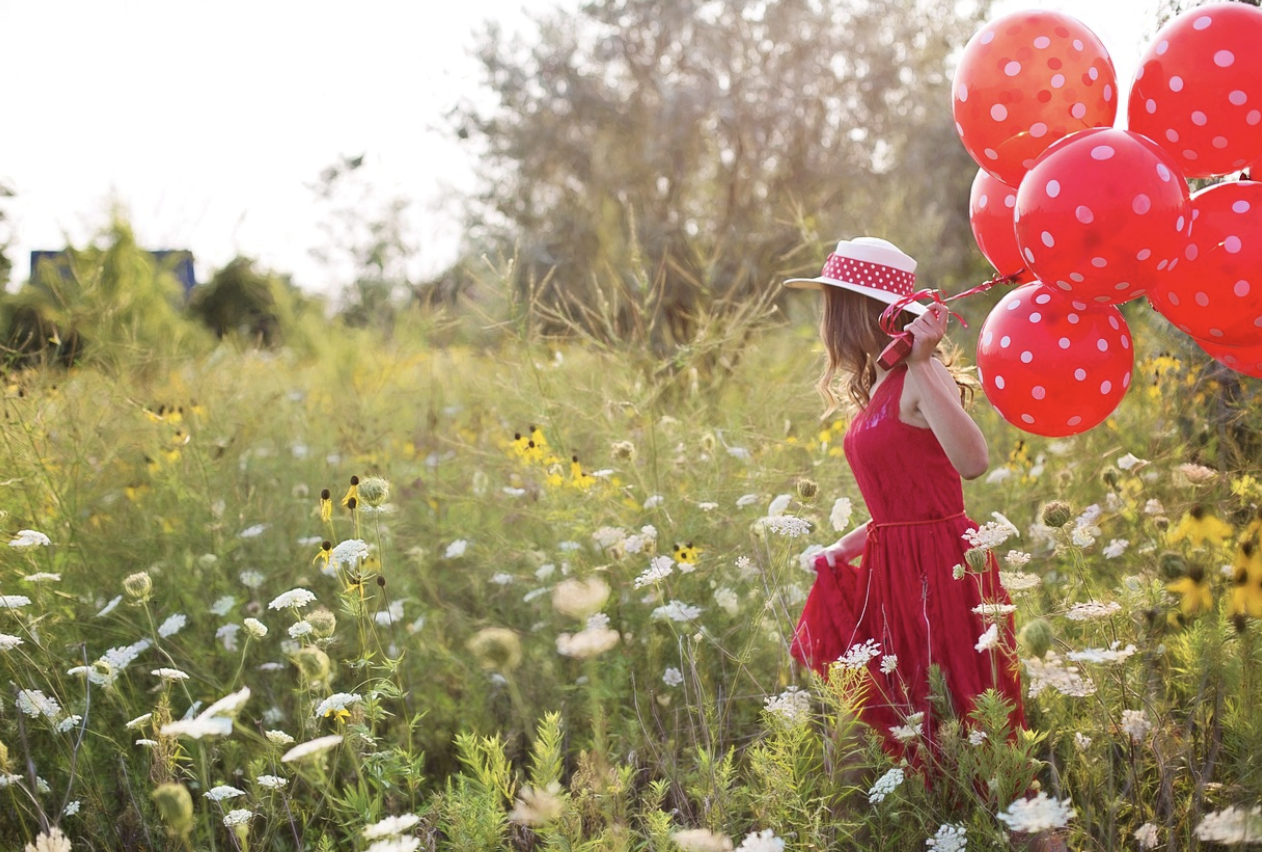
point(1232, 826)
point(1092, 610)
point(839, 517)
point(988, 640)
point(311, 747)
point(292, 599)
point(787, 526)
point(676, 611)
point(951, 837)
point(790, 706)
point(885, 785)
point(237, 816)
point(1051, 671)
point(761, 841)
point(272, 782)
point(8, 643)
point(1037, 814)
point(391, 826)
point(222, 793)
point(1097, 655)
point(1135, 723)
point(1146, 836)
point(659, 568)
point(860, 654)
point(14, 601)
point(35, 703)
point(28, 540)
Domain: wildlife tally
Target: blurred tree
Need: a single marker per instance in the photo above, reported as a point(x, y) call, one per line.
point(702, 149)
point(239, 300)
point(6, 265)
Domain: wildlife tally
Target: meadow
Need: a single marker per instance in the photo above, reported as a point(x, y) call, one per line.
point(397, 592)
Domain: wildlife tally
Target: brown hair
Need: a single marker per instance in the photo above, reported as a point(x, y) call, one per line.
point(851, 332)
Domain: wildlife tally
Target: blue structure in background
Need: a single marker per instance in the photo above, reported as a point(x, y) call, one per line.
point(178, 261)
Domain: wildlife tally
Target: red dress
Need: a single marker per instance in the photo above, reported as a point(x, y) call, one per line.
point(903, 595)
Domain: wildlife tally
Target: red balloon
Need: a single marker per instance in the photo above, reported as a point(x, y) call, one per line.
point(1102, 215)
point(1198, 90)
point(1052, 364)
point(1215, 291)
point(990, 213)
point(1242, 359)
point(1026, 80)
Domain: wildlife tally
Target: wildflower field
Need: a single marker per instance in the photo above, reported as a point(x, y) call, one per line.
point(393, 595)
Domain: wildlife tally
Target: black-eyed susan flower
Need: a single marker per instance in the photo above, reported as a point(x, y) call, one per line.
point(1193, 590)
point(1198, 526)
point(326, 506)
point(686, 554)
point(325, 551)
point(580, 478)
point(352, 493)
point(1246, 579)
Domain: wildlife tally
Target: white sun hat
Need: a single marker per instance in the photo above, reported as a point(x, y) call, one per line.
point(871, 266)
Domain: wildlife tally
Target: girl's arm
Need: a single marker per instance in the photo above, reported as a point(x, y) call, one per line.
point(848, 547)
point(938, 399)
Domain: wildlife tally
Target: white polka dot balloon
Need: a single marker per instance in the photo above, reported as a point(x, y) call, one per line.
point(991, 207)
point(1052, 364)
point(1215, 291)
point(1198, 90)
point(1024, 81)
point(1102, 215)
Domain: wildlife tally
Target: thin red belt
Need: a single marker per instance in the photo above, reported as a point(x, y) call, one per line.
point(874, 528)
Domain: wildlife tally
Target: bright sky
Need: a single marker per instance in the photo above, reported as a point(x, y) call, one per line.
point(209, 122)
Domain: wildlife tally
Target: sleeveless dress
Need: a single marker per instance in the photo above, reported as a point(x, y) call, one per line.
point(902, 595)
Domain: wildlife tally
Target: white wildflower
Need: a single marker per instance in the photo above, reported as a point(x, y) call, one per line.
point(35, 703)
point(1146, 836)
point(860, 654)
point(951, 837)
point(885, 785)
point(1051, 671)
point(29, 540)
point(311, 747)
point(989, 535)
point(1017, 581)
point(761, 841)
point(68, 723)
point(300, 629)
point(237, 816)
point(227, 635)
point(839, 517)
point(252, 531)
point(250, 578)
point(1016, 559)
point(1153, 507)
point(999, 475)
point(672, 676)
point(791, 706)
point(1114, 654)
point(994, 610)
point(787, 526)
point(1082, 537)
point(641, 541)
point(138, 721)
point(1232, 826)
point(502, 578)
point(172, 625)
point(456, 549)
point(727, 600)
point(701, 840)
point(1135, 724)
point(14, 601)
point(392, 614)
point(215, 726)
point(707, 506)
point(676, 611)
point(779, 504)
point(1081, 741)
point(1037, 814)
point(1092, 610)
point(391, 826)
point(278, 738)
point(8, 643)
point(348, 555)
point(659, 568)
point(222, 606)
point(587, 643)
point(914, 728)
point(110, 607)
point(1116, 547)
point(71, 808)
point(988, 640)
point(747, 500)
point(272, 782)
point(222, 793)
point(889, 663)
point(169, 674)
point(976, 737)
point(1129, 461)
point(42, 577)
point(255, 628)
point(54, 840)
point(292, 599)
point(337, 703)
point(654, 501)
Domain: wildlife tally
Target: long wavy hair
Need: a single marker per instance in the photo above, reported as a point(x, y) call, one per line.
point(850, 329)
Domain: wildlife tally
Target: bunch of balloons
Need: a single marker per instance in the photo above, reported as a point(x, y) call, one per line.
point(1085, 216)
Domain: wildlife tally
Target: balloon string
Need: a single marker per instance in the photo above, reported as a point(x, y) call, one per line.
point(890, 314)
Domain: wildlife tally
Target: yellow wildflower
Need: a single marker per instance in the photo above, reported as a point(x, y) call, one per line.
point(578, 477)
point(326, 506)
point(1194, 592)
point(326, 550)
point(686, 554)
point(352, 493)
point(1199, 526)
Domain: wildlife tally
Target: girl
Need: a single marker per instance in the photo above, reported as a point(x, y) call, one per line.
point(904, 606)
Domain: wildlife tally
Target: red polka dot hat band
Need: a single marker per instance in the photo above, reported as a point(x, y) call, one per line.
point(871, 266)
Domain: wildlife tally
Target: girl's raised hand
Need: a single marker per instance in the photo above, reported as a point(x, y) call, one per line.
point(927, 331)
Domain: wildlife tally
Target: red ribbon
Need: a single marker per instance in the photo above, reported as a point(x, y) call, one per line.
point(890, 314)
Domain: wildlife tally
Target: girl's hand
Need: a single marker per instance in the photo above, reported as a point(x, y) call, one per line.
point(927, 332)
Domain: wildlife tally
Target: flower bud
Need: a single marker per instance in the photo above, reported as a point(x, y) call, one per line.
point(175, 806)
point(322, 622)
point(255, 628)
point(1172, 565)
point(807, 489)
point(1110, 476)
point(374, 491)
point(622, 450)
point(313, 664)
point(976, 557)
point(139, 586)
point(1036, 637)
point(1056, 513)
